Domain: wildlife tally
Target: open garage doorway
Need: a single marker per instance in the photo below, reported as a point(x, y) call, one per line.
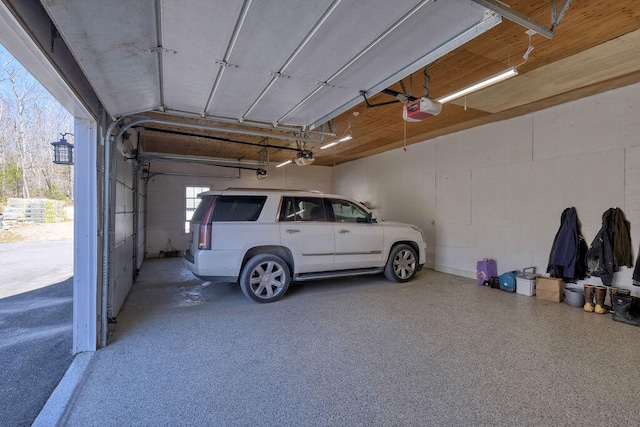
point(36, 243)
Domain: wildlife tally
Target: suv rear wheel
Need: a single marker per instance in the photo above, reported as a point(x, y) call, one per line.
point(265, 278)
point(401, 266)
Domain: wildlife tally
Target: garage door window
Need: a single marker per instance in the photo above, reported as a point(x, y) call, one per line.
point(191, 204)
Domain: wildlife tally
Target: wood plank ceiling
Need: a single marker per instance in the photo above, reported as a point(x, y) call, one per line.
point(596, 47)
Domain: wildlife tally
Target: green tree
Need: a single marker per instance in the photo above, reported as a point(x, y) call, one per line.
point(10, 180)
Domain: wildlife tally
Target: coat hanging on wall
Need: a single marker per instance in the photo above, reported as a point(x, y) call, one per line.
point(636, 272)
point(567, 257)
point(611, 247)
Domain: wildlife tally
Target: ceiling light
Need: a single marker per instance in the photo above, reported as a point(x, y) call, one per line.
point(480, 85)
point(336, 142)
point(286, 162)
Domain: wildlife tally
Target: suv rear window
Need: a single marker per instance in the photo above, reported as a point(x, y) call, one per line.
point(205, 202)
point(238, 208)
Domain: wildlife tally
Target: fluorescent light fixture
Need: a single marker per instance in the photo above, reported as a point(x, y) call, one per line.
point(286, 162)
point(331, 144)
point(480, 85)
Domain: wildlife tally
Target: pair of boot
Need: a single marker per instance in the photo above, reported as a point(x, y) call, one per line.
point(622, 309)
point(600, 293)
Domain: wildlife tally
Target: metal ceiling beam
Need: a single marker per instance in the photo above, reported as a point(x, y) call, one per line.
point(233, 141)
point(153, 155)
point(557, 16)
point(139, 120)
point(517, 17)
point(250, 123)
point(222, 163)
point(159, 50)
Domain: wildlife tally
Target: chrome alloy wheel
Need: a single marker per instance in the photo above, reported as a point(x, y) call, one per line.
point(404, 264)
point(267, 280)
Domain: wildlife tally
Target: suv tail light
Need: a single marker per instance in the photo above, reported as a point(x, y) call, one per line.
point(204, 237)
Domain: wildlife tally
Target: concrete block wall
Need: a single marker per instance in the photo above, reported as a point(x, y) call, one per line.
point(499, 190)
point(166, 193)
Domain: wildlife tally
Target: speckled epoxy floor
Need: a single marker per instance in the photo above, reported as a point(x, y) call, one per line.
point(440, 350)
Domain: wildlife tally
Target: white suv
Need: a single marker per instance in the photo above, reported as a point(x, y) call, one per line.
point(264, 239)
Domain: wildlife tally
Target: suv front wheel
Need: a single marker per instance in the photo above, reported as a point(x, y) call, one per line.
point(402, 265)
point(265, 278)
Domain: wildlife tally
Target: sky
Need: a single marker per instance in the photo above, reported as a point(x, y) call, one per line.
point(27, 80)
point(5, 56)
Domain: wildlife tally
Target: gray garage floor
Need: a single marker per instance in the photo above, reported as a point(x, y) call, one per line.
point(440, 350)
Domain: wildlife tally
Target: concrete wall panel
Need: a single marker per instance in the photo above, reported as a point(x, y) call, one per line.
point(603, 122)
point(453, 152)
point(453, 198)
point(495, 144)
point(500, 189)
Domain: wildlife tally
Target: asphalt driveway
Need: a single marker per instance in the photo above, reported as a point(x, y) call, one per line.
point(36, 310)
point(25, 266)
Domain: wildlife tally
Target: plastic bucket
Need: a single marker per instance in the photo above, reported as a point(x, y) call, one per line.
point(574, 296)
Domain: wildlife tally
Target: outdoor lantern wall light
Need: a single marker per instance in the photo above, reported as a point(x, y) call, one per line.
point(63, 150)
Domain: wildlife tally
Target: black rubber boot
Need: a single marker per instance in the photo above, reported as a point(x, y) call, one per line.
point(622, 310)
point(618, 291)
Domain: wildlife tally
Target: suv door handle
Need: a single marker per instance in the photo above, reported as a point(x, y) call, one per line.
point(292, 231)
point(343, 231)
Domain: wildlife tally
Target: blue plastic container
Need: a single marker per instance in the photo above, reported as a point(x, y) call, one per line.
point(508, 281)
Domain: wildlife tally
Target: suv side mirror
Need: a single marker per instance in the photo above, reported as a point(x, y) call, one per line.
point(371, 219)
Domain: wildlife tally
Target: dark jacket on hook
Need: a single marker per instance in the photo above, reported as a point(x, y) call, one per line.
point(567, 258)
point(636, 272)
point(611, 247)
point(621, 239)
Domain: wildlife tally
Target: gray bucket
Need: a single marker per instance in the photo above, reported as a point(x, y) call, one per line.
point(574, 296)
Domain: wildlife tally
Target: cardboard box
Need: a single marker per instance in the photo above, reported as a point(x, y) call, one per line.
point(549, 289)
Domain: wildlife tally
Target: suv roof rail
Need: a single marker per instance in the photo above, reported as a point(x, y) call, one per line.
point(288, 190)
